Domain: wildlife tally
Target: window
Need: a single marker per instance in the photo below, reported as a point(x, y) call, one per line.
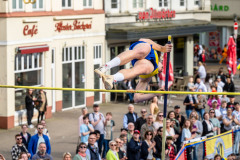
point(87, 3)
point(66, 3)
point(196, 2)
point(114, 4)
point(97, 51)
point(38, 5)
point(28, 72)
point(17, 5)
point(163, 3)
point(182, 2)
point(137, 3)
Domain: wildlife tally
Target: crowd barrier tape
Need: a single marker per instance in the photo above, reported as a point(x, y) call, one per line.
point(220, 144)
point(122, 91)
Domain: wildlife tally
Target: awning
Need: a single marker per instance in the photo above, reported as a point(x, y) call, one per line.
point(157, 29)
point(33, 49)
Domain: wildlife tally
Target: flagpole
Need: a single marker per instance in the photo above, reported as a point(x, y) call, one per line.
point(165, 101)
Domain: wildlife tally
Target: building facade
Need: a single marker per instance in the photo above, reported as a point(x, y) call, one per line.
point(129, 20)
point(52, 43)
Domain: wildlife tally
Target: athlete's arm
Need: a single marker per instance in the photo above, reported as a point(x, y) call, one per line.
point(158, 47)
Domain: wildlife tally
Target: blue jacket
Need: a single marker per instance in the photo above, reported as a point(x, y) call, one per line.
point(32, 146)
point(133, 150)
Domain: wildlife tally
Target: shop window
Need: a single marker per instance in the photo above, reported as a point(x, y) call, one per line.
point(182, 2)
point(97, 52)
point(28, 72)
point(67, 4)
point(196, 2)
point(17, 5)
point(137, 3)
point(163, 3)
point(38, 5)
point(114, 4)
point(87, 3)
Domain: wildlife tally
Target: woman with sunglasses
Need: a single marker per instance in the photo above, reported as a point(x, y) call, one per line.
point(158, 121)
point(148, 146)
point(81, 155)
point(112, 152)
point(158, 141)
point(215, 122)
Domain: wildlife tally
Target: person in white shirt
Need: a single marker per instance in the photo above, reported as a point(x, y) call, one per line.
point(201, 71)
point(200, 85)
point(220, 83)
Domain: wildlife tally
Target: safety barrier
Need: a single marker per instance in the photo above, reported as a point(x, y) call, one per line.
point(223, 144)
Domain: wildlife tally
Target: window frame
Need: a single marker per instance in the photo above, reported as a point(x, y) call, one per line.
point(164, 3)
point(66, 4)
point(37, 6)
point(196, 2)
point(136, 4)
point(182, 1)
point(17, 6)
point(114, 3)
point(87, 4)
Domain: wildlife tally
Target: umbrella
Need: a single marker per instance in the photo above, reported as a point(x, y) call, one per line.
point(232, 58)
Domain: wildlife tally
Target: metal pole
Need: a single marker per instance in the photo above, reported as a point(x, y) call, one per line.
point(165, 102)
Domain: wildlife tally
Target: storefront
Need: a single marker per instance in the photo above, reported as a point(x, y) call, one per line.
point(50, 49)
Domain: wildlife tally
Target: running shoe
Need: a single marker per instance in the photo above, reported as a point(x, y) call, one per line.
point(101, 70)
point(108, 81)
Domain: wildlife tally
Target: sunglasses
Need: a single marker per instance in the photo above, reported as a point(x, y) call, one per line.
point(113, 145)
point(19, 139)
point(160, 115)
point(40, 128)
point(83, 147)
point(212, 112)
point(149, 134)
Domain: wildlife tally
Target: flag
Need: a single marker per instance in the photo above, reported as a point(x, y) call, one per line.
point(221, 144)
point(162, 75)
point(181, 154)
point(232, 58)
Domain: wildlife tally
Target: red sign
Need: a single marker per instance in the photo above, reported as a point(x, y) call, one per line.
point(76, 25)
point(235, 26)
point(154, 14)
point(30, 31)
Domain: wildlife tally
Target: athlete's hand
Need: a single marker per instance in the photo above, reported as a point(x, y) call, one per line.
point(167, 48)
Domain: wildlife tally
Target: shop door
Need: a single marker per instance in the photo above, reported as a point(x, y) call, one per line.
point(97, 50)
point(53, 81)
point(73, 76)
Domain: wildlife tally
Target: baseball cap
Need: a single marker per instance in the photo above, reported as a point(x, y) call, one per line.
point(214, 100)
point(177, 106)
point(136, 132)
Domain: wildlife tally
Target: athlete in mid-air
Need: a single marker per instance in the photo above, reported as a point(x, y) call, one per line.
point(145, 64)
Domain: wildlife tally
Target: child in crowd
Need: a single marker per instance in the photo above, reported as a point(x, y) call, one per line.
point(170, 149)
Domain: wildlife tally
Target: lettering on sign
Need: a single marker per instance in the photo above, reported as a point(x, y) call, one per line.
point(30, 31)
point(155, 14)
point(76, 25)
point(219, 8)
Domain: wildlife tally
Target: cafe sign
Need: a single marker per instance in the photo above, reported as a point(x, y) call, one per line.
point(75, 25)
point(153, 14)
point(30, 30)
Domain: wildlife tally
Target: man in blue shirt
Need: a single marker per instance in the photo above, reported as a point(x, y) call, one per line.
point(85, 129)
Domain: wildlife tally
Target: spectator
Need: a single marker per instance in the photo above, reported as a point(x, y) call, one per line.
point(174, 122)
point(80, 119)
point(232, 102)
point(220, 82)
point(134, 147)
point(124, 143)
point(45, 131)
point(218, 87)
point(112, 153)
point(208, 82)
point(147, 126)
point(217, 157)
point(23, 156)
point(36, 139)
point(124, 131)
point(25, 135)
point(159, 121)
point(208, 129)
point(131, 116)
point(67, 156)
point(197, 130)
point(200, 85)
point(224, 54)
point(215, 121)
point(170, 131)
point(42, 107)
point(222, 75)
point(225, 98)
point(186, 135)
point(130, 131)
point(109, 127)
point(148, 146)
point(217, 111)
point(154, 107)
point(201, 104)
point(223, 111)
point(92, 150)
point(141, 120)
point(189, 102)
point(41, 153)
point(229, 86)
point(29, 102)
point(201, 72)
point(179, 116)
point(158, 141)
point(170, 149)
point(18, 147)
point(86, 128)
point(97, 120)
point(121, 153)
point(214, 100)
point(190, 84)
point(228, 121)
point(81, 155)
